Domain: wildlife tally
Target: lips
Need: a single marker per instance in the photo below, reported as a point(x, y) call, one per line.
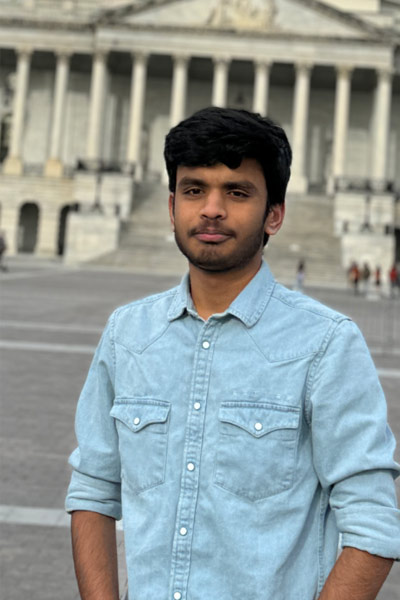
point(212, 235)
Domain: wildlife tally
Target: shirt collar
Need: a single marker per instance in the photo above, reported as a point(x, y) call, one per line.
point(248, 306)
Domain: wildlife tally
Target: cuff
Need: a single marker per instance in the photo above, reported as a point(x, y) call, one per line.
point(376, 531)
point(96, 495)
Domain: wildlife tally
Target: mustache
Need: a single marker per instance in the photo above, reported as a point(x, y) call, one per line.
point(211, 228)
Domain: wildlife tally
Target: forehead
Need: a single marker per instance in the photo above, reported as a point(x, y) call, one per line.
point(249, 170)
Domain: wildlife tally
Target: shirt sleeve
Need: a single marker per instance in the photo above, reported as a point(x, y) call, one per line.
point(95, 483)
point(353, 446)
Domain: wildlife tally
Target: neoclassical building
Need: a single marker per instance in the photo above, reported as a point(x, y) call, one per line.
point(89, 88)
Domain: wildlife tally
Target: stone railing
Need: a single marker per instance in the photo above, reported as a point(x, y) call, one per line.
point(363, 184)
point(103, 166)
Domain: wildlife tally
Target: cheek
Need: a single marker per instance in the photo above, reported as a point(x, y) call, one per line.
point(247, 221)
point(184, 214)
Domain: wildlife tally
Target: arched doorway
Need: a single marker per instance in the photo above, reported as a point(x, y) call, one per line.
point(28, 227)
point(62, 224)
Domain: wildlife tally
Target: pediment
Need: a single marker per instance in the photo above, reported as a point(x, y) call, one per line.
point(293, 17)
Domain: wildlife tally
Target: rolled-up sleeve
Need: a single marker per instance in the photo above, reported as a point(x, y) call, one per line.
point(95, 483)
point(353, 446)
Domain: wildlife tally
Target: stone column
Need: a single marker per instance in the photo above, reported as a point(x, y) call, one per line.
point(261, 87)
point(138, 93)
point(381, 132)
point(13, 164)
point(341, 121)
point(299, 183)
point(97, 97)
point(179, 85)
point(54, 166)
point(220, 82)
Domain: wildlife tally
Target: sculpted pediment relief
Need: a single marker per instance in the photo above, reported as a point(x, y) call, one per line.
point(296, 17)
point(243, 14)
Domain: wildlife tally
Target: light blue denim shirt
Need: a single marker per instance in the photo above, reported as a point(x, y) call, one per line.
point(238, 448)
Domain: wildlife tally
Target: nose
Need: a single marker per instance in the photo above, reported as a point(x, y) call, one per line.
point(214, 205)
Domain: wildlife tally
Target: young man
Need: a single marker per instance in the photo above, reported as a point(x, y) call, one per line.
point(238, 427)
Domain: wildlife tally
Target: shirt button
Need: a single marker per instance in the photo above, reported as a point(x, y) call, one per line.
point(136, 421)
point(196, 406)
point(258, 426)
point(206, 345)
point(190, 467)
point(177, 596)
point(183, 531)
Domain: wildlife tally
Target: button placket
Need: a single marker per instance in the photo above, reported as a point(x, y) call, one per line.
point(191, 459)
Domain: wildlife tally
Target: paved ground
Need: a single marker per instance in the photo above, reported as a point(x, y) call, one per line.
point(51, 319)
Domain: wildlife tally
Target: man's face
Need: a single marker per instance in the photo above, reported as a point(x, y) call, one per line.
point(219, 215)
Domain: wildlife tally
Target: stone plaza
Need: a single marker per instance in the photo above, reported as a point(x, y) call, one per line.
point(51, 319)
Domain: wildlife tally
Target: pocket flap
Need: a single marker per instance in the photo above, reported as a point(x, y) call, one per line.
point(259, 418)
point(137, 413)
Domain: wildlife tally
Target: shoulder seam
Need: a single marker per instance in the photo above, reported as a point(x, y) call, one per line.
point(316, 360)
point(333, 316)
point(147, 300)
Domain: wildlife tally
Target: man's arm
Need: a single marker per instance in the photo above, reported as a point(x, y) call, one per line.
point(95, 555)
point(357, 575)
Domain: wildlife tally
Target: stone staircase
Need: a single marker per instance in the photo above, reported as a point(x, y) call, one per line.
point(147, 244)
point(307, 234)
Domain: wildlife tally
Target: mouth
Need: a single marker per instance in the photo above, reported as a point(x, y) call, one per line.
point(211, 236)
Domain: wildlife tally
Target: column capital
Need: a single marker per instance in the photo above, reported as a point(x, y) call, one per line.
point(262, 63)
point(385, 74)
point(63, 54)
point(344, 70)
point(100, 54)
point(139, 56)
point(303, 67)
point(221, 60)
point(24, 51)
point(181, 58)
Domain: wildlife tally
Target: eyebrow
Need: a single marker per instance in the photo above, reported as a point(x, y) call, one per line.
point(228, 185)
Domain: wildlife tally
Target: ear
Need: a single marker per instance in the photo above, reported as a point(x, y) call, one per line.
point(171, 208)
point(274, 220)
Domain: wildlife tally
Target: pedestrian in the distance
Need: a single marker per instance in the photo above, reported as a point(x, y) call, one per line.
point(378, 275)
point(3, 249)
point(366, 274)
point(354, 276)
point(300, 275)
point(394, 280)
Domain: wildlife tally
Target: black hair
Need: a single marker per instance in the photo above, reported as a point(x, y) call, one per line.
point(225, 135)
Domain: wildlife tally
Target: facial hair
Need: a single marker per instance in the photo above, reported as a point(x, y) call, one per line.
point(212, 258)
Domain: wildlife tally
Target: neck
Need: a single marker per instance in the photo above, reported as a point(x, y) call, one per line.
point(214, 292)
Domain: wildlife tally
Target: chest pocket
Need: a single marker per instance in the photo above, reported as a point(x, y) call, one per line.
point(142, 425)
point(256, 448)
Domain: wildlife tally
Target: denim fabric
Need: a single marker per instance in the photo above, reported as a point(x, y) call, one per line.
point(238, 448)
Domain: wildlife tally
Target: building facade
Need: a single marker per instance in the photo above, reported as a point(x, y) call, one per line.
point(88, 90)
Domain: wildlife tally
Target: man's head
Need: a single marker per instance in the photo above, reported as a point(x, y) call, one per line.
point(216, 160)
point(227, 136)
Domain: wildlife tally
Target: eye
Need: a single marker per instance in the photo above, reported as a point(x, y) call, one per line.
point(193, 191)
point(238, 194)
